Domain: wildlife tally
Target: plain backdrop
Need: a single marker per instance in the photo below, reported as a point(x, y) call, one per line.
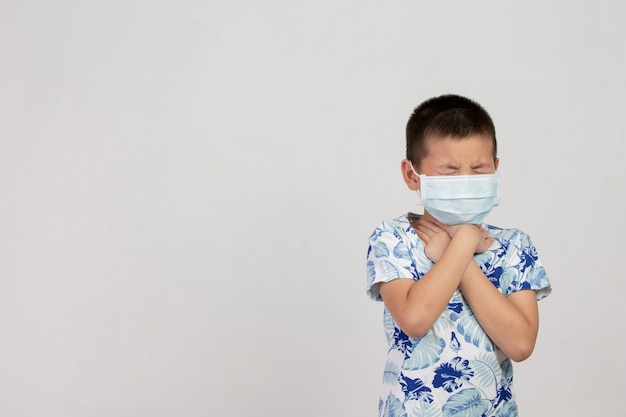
point(187, 188)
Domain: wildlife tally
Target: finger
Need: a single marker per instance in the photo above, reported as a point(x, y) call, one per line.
point(425, 231)
point(423, 236)
point(429, 226)
point(439, 224)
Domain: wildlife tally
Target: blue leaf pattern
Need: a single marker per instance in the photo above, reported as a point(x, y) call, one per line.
point(455, 369)
point(425, 409)
point(380, 250)
point(509, 409)
point(391, 407)
point(391, 373)
point(454, 343)
point(424, 352)
point(468, 326)
point(467, 403)
point(401, 251)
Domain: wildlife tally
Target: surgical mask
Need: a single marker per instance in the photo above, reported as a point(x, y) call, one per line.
point(459, 199)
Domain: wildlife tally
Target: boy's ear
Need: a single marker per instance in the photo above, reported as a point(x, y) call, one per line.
point(410, 179)
point(496, 163)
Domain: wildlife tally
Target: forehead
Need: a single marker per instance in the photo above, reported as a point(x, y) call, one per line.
point(470, 149)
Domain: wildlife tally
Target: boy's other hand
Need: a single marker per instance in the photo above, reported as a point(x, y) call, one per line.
point(435, 238)
point(485, 243)
point(475, 234)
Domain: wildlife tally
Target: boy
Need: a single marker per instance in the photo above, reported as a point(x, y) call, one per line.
point(460, 296)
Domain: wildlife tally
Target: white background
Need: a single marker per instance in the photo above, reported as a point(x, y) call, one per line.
point(187, 189)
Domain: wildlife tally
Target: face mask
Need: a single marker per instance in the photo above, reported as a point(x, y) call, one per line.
point(459, 199)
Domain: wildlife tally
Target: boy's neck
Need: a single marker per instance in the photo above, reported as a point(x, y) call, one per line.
point(413, 217)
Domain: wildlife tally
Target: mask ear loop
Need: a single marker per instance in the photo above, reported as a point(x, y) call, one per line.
point(419, 194)
point(498, 189)
point(413, 169)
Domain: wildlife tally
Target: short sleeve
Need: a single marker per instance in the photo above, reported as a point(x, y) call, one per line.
point(524, 268)
point(388, 257)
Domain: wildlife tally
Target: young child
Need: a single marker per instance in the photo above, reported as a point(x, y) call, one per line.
point(460, 297)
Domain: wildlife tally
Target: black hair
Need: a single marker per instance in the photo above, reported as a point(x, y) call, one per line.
point(446, 116)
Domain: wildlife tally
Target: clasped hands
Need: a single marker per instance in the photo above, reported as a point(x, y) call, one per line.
point(437, 237)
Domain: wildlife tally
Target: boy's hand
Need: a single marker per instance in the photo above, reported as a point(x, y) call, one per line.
point(485, 243)
point(435, 238)
point(482, 244)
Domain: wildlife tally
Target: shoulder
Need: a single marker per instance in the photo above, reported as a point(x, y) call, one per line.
point(524, 269)
point(397, 227)
point(390, 253)
point(510, 236)
point(393, 243)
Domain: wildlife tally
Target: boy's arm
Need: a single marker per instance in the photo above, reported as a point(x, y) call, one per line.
point(511, 322)
point(416, 305)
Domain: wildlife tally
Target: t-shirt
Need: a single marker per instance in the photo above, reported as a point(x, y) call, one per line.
point(454, 369)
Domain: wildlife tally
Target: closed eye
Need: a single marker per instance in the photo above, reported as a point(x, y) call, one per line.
point(448, 170)
point(482, 169)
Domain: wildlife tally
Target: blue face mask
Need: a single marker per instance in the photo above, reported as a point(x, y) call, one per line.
point(459, 199)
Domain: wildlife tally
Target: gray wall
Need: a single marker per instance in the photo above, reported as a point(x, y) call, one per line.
point(187, 189)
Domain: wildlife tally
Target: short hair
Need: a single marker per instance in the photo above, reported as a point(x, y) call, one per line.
point(446, 116)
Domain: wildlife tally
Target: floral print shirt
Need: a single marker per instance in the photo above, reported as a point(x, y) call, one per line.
point(454, 369)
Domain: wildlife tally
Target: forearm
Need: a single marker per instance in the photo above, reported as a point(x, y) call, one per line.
point(512, 324)
point(429, 296)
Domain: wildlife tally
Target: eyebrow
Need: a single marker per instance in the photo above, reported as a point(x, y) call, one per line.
point(481, 165)
point(449, 166)
point(475, 166)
